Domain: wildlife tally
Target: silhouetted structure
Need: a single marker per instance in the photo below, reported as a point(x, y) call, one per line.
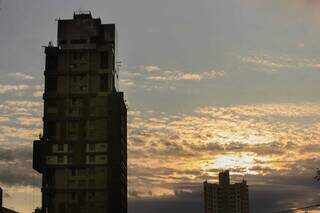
point(3, 209)
point(225, 197)
point(82, 154)
point(37, 210)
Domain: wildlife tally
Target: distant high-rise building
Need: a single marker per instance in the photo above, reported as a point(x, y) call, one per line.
point(225, 197)
point(82, 152)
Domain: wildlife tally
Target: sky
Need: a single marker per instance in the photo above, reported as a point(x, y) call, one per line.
point(210, 85)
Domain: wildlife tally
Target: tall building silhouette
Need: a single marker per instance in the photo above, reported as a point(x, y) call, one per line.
point(225, 197)
point(82, 153)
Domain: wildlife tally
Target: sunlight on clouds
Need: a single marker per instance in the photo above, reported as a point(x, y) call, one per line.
point(30, 121)
point(177, 75)
point(8, 88)
point(4, 119)
point(38, 93)
point(147, 192)
point(150, 68)
point(27, 197)
point(21, 76)
point(270, 63)
point(252, 138)
point(232, 161)
point(259, 140)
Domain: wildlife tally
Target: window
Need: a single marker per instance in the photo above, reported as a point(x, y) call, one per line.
point(91, 158)
point(73, 196)
point(70, 159)
point(91, 195)
point(72, 132)
point(73, 66)
point(71, 182)
point(60, 159)
point(104, 82)
point(73, 172)
point(91, 146)
point(79, 83)
point(79, 56)
point(91, 171)
point(92, 182)
point(81, 172)
point(82, 183)
point(104, 60)
point(60, 147)
point(75, 56)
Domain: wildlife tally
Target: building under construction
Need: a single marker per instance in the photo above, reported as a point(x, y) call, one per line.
point(82, 153)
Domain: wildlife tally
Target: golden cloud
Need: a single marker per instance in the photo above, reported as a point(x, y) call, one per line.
point(265, 139)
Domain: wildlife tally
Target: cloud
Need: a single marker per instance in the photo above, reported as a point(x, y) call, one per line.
point(37, 94)
point(5, 88)
point(260, 142)
point(20, 124)
point(169, 156)
point(283, 62)
point(150, 78)
point(176, 75)
point(151, 68)
point(9, 88)
point(263, 61)
point(21, 160)
point(20, 76)
point(127, 83)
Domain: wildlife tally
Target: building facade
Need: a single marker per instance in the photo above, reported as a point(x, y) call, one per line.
point(82, 153)
point(225, 197)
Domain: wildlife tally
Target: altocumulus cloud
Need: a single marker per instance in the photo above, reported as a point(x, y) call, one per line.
point(20, 124)
point(266, 143)
point(170, 155)
point(156, 78)
point(272, 63)
point(20, 76)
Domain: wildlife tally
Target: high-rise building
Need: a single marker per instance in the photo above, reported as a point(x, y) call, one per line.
point(82, 152)
point(225, 197)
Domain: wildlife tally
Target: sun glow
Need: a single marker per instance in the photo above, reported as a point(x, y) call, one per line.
point(232, 161)
point(239, 164)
